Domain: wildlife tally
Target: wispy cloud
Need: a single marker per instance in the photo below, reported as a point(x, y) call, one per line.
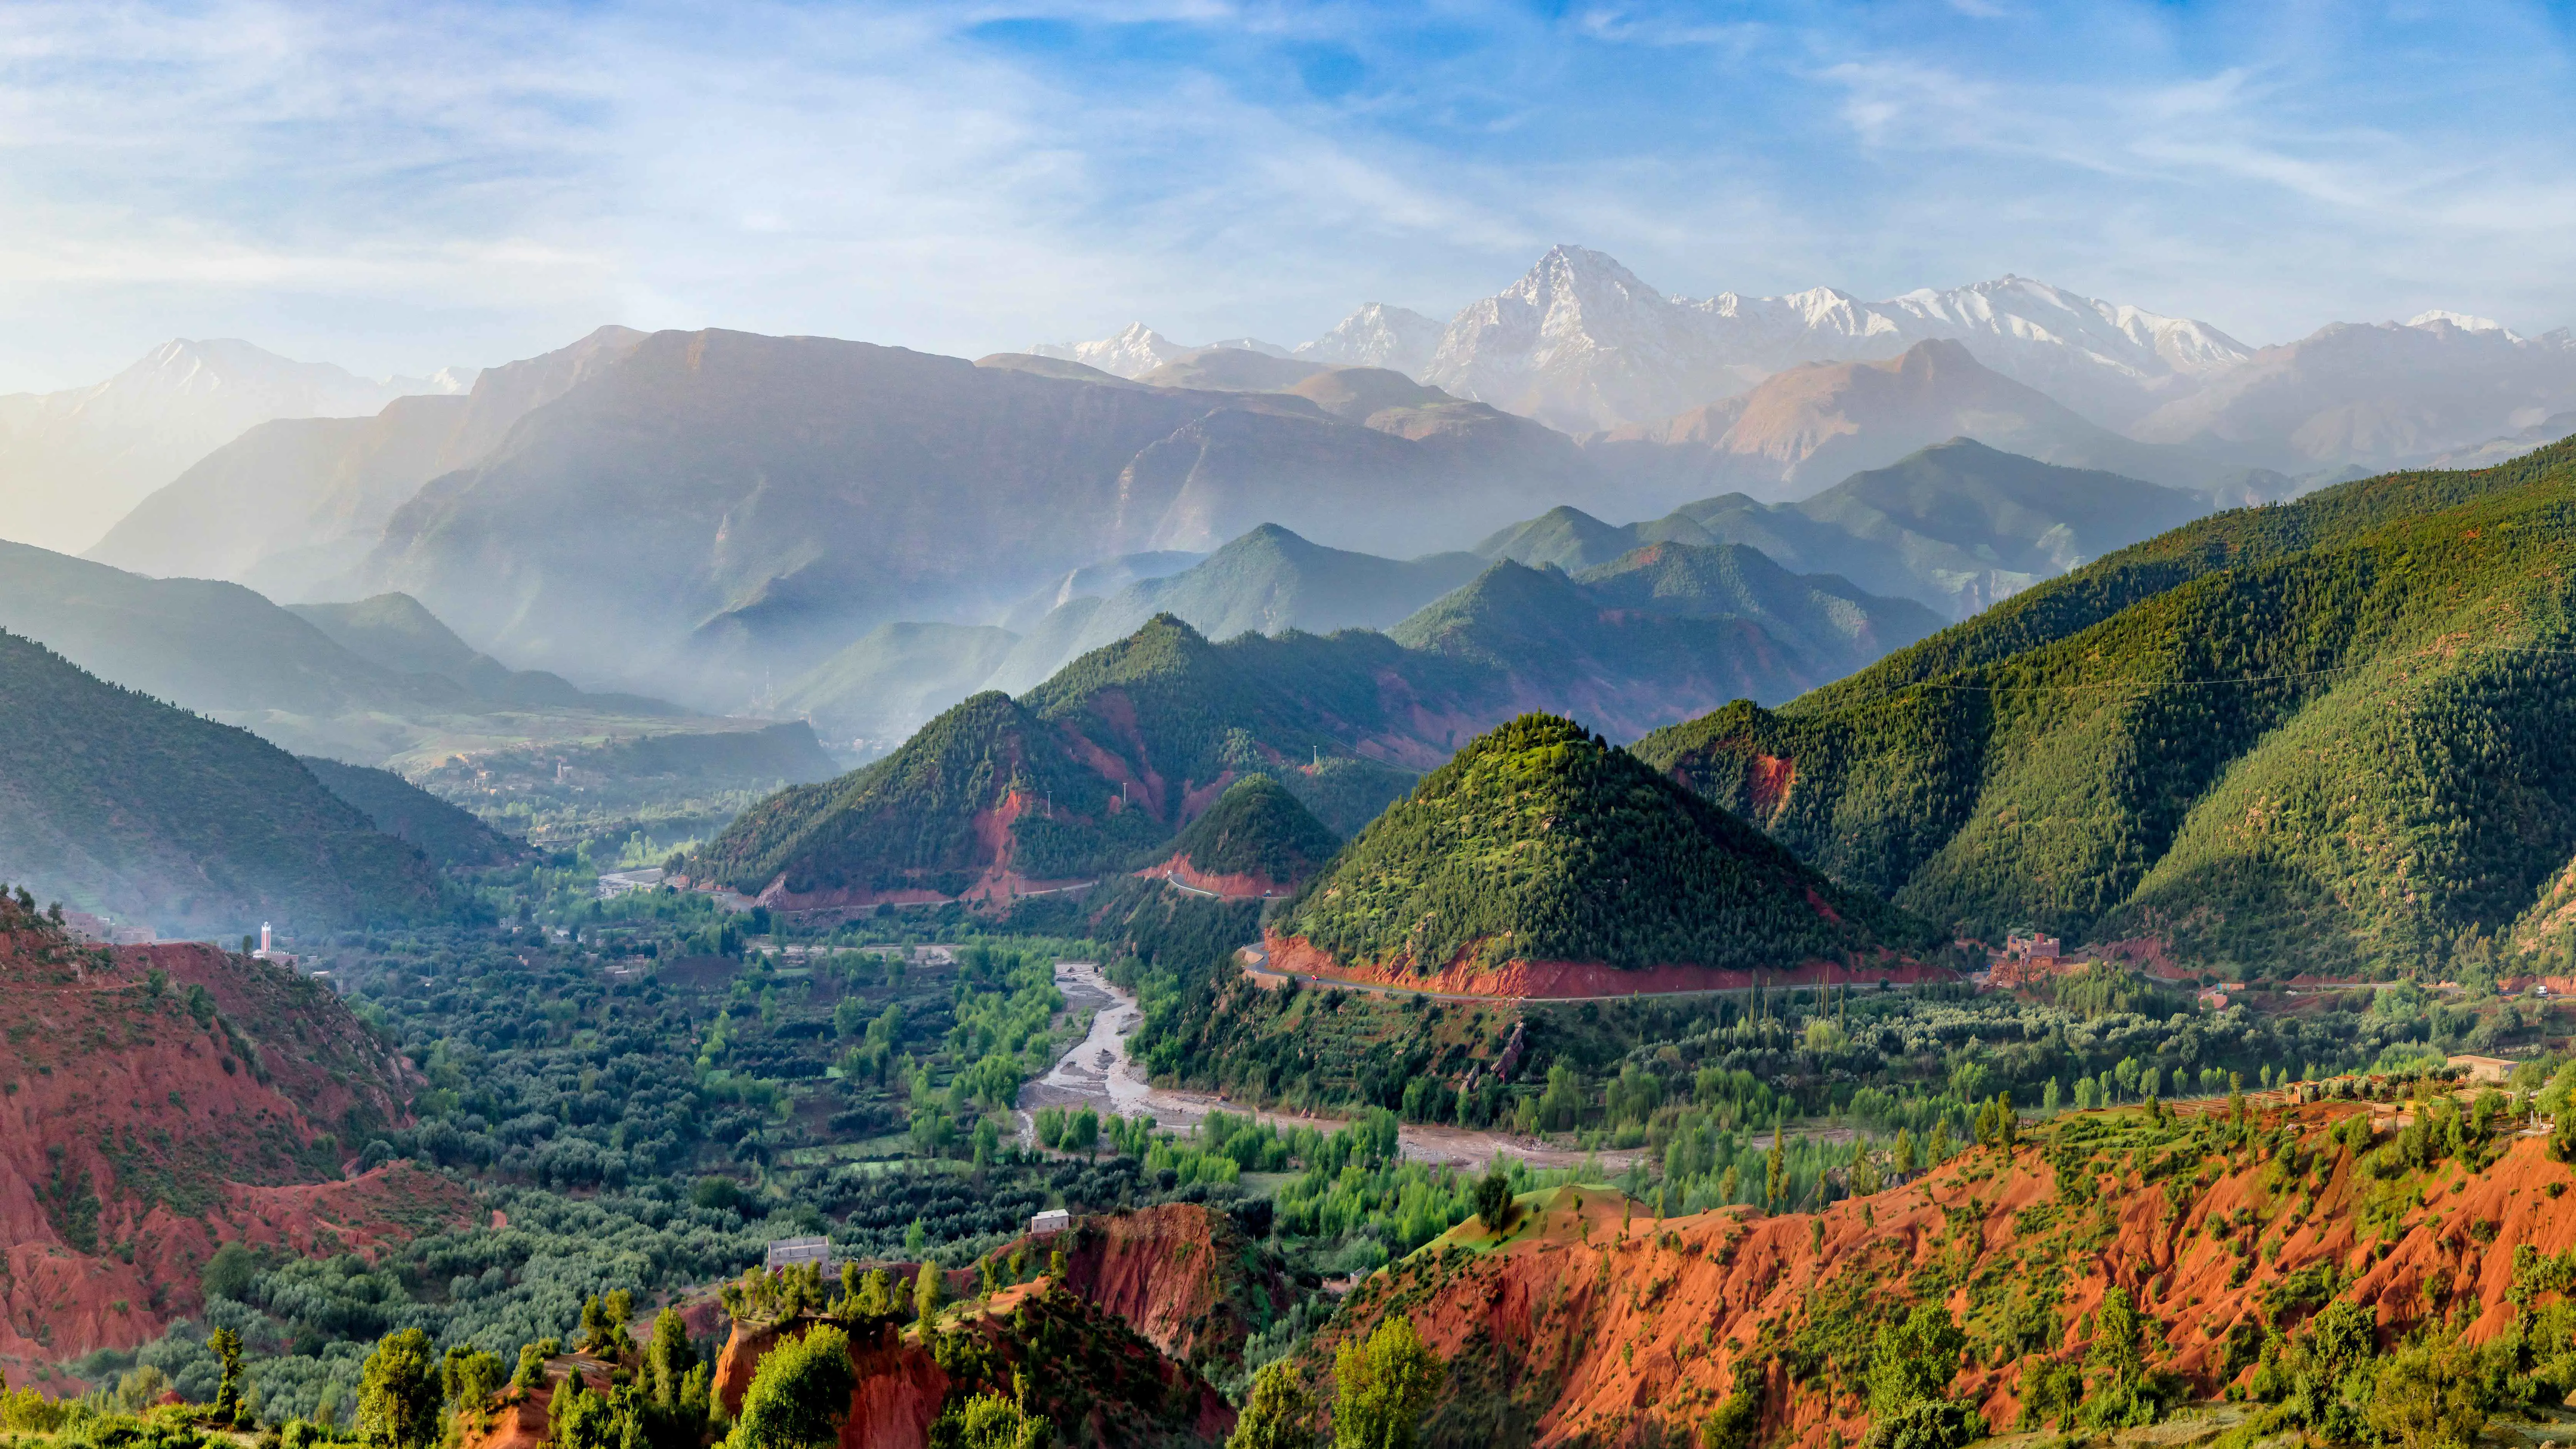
point(399, 186)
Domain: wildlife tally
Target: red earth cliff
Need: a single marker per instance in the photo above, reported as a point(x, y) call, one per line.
point(1593, 1323)
point(1182, 1274)
point(158, 1101)
point(1087, 1369)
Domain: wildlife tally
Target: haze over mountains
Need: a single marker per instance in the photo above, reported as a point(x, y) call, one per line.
point(74, 462)
point(791, 526)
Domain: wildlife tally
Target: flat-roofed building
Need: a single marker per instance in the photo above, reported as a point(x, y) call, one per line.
point(791, 1252)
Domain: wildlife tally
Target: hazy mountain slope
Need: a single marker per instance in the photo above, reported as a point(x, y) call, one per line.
point(394, 631)
point(278, 505)
point(397, 807)
point(2376, 395)
point(214, 647)
point(1829, 420)
point(1357, 393)
point(1378, 335)
point(717, 506)
point(73, 462)
point(1229, 369)
point(1581, 343)
point(2323, 739)
point(1597, 650)
point(1824, 614)
point(868, 697)
point(1627, 662)
point(1963, 503)
point(1955, 526)
point(226, 652)
point(1267, 581)
point(1096, 581)
point(118, 803)
point(293, 503)
point(1540, 842)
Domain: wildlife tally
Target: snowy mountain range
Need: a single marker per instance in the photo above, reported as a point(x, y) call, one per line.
point(74, 462)
point(1580, 343)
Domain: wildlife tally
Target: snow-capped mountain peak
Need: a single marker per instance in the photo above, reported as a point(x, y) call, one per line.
point(1133, 351)
point(1377, 335)
point(2461, 320)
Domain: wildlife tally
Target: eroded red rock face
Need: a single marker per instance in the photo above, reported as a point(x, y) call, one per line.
point(1176, 1273)
point(1087, 1368)
point(1594, 1318)
point(142, 1125)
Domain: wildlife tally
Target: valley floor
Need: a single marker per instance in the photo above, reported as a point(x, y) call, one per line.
point(1098, 1072)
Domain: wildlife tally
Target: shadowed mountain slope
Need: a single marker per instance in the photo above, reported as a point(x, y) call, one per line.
point(120, 804)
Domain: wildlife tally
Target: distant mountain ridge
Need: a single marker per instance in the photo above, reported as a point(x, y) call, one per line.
point(372, 682)
point(73, 462)
point(290, 505)
point(1581, 343)
point(1956, 526)
point(1824, 421)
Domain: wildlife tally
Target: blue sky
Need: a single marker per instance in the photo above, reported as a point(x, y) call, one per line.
point(402, 187)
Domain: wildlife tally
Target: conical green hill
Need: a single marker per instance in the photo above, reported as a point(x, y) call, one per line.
point(1256, 828)
point(1541, 842)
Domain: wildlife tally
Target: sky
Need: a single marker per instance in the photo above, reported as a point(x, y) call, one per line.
point(402, 187)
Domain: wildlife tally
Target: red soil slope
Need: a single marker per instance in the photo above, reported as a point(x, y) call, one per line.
point(1087, 1370)
point(1181, 1274)
point(1582, 1328)
point(1540, 980)
point(142, 1125)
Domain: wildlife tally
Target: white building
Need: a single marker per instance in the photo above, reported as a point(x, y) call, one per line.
point(1053, 1220)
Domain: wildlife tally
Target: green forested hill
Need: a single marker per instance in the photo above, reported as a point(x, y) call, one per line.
point(1257, 828)
point(121, 804)
point(2323, 736)
point(1540, 841)
point(1098, 764)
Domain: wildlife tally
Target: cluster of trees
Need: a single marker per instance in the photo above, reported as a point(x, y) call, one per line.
point(1384, 1382)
